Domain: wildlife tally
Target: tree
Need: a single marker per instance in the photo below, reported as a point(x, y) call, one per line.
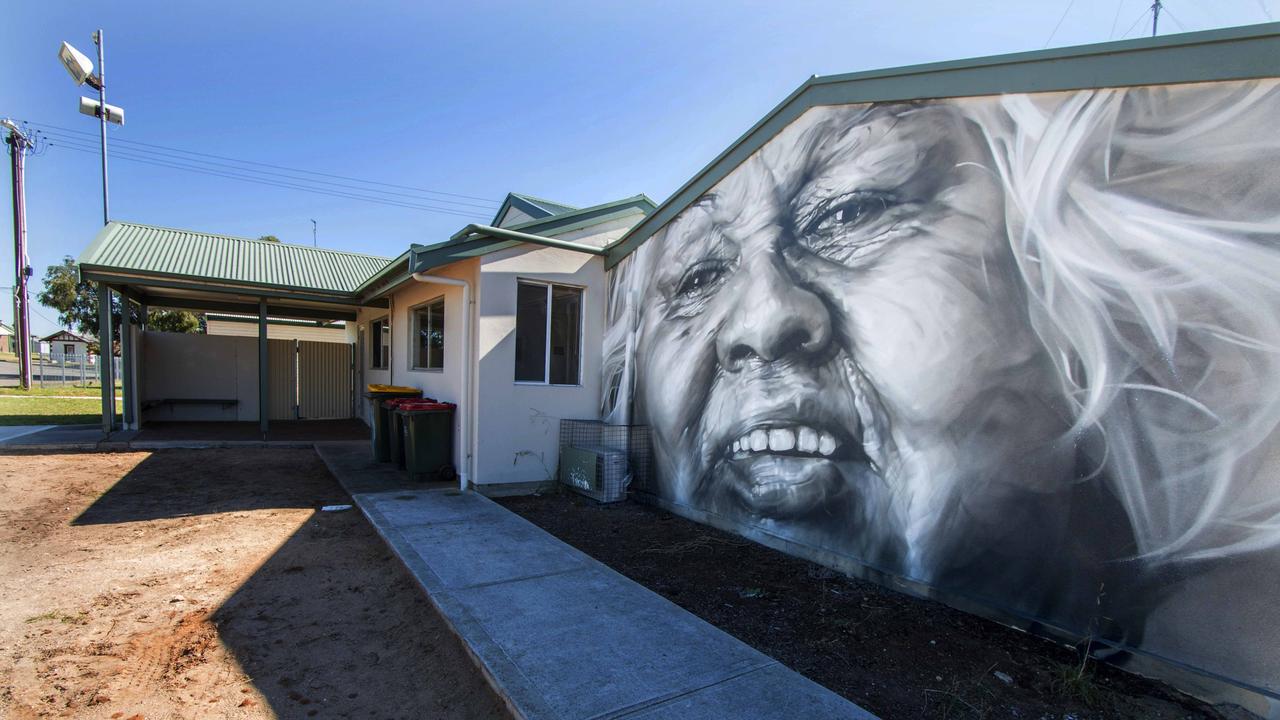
point(269, 238)
point(77, 305)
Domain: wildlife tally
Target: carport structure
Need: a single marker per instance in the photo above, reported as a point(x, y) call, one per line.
point(155, 267)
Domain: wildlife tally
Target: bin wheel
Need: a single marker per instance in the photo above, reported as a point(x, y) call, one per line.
point(447, 473)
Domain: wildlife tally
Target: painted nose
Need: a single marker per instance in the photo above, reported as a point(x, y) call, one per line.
point(776, 318)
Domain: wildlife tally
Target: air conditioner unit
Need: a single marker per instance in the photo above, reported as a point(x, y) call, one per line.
point(598, 472)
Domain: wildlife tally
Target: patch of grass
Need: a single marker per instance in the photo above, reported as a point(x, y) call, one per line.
point(81, 618)
point(1076, 683)
point(51, 411)
point(76, 390)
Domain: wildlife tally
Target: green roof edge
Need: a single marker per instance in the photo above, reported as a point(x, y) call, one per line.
point(1240, 53)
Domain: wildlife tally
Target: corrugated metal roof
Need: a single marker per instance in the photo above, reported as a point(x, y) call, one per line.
point(132, 247)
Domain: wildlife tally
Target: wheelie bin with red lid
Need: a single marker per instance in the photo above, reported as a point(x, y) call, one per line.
point(428, 439)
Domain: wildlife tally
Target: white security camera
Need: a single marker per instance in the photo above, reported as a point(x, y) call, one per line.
point(78, 65)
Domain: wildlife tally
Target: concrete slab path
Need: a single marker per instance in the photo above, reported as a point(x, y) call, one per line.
point(559, 634)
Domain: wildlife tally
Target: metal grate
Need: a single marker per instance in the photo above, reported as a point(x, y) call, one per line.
point(620, 456)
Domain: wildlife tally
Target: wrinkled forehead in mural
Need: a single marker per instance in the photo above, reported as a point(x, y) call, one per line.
point(900, 329)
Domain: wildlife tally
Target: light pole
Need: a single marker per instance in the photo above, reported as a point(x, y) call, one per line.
point(80, 68)
point(19, 146)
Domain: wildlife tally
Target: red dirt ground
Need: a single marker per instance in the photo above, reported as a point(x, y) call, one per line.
point(205, 584)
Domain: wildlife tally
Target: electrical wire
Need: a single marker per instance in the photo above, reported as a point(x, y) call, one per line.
point(117, 154)
point(1135, 23)
point(1115, 20)
point(276, 167)
point(59, 136)
point(1055, 27)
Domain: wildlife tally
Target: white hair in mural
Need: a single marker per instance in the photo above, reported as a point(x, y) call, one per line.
point(1142, 226)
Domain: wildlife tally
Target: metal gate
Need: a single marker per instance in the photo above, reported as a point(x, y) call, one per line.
point(309, 380)
point(282, 387)
point(324, 380)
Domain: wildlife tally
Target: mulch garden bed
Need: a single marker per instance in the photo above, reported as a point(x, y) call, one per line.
point(895, 655)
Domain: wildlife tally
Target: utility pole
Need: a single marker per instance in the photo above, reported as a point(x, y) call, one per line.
point(19, 145)
point(1155, 17)
point(102, 114)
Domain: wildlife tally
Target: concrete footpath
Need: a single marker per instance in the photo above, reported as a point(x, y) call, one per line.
point(558, 634)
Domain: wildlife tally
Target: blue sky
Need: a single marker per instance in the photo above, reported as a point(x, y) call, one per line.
point(579, 102)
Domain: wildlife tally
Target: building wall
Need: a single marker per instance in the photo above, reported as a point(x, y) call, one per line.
point(57, 348)
point(1019, 350)
point(520, 422)
point(278, 332)
point(183, 365)
point(445, 384)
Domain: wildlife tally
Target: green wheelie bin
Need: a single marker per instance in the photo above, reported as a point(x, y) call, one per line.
point(396, 427)
point(428, 439)
point(379, 417)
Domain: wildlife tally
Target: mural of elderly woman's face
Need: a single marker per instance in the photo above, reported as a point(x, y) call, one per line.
point(832, 343)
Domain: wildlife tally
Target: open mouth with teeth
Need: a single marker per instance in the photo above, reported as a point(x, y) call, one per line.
point(795, 440)
point(783, 469)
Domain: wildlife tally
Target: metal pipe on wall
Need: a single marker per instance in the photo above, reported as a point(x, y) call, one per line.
point(466, 409)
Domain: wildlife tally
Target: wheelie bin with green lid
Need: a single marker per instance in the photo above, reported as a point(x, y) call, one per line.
point(428, 438)
point(379, 417)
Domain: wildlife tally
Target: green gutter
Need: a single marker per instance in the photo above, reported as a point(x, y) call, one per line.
point(1213, 55)
point(473, 231)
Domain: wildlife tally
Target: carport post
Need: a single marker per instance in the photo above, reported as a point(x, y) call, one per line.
point(105, 359)
point(126, 355)
point(263, 391)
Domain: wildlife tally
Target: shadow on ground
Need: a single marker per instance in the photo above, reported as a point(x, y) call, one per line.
point(330, 624)
point(315, 630)
point(172, 485)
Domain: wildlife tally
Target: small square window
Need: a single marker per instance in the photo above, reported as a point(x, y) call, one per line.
point(548, 334)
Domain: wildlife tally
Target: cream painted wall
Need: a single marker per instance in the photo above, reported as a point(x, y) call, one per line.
point(182, 365)
point(520, 423)
point(443, 384)
point(517, 424)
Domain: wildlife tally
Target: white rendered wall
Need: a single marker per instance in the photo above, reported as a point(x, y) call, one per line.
point(519, 422)
point(186, 365)
point(444, 384)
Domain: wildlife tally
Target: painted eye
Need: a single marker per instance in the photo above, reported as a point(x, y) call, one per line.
point(702, 278)
point(853, 211)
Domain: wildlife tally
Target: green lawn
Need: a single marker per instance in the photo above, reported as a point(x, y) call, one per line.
point(76, 390)
point(51, 411)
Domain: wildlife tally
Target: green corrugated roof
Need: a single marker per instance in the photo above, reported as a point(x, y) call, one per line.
point(131, 247)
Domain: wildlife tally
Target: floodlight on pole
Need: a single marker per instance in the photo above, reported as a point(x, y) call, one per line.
point(80, 68)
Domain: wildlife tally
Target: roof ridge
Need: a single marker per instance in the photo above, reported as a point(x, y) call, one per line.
point(536, 200)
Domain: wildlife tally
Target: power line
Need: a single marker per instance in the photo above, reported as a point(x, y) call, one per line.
point(1173, 17)
point(58, 135)
point(1116, 19)
point(319, 191)
point(1135, 23)
point(1055, 27)
point(276, 167)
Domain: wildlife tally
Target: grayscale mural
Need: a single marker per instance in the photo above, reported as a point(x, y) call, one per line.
point(1024, 349)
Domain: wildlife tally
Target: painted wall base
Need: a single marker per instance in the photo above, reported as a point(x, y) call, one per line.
point(1205, 686)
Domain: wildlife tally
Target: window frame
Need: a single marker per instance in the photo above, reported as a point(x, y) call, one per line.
point(546, 356)
point(375, 340)
point(413, 330)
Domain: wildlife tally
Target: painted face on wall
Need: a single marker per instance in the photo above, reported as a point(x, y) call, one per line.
point(832, 343)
